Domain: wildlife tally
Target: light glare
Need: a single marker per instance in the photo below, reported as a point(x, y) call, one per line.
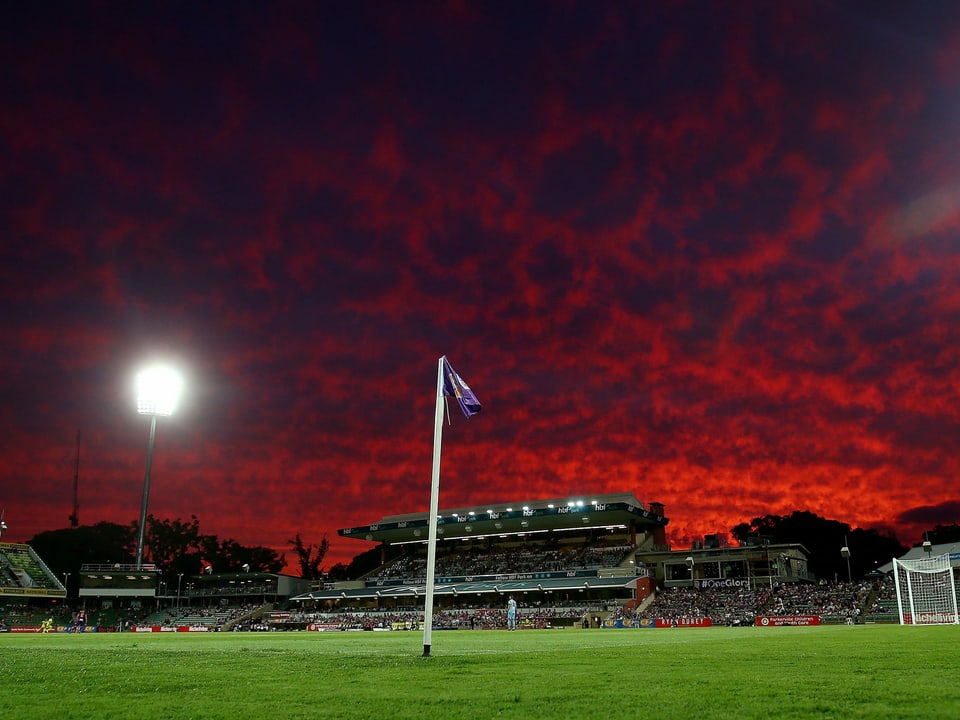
point(158, 390)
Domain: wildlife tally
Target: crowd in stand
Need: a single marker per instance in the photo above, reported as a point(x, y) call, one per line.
point(724, 606)
point(739, 606)
point(838, 602)
point(476, 618)
point(484, 562)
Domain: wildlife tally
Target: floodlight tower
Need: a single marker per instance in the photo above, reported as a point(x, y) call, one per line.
point(158, 390)
point(845, 553)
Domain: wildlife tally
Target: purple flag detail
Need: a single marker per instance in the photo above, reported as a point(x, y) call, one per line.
point(454, 385)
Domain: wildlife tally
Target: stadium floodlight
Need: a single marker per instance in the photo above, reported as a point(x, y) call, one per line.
point(158, 392)
point(845, 553)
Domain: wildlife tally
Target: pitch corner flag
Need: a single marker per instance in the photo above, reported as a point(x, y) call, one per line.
point(454, 385)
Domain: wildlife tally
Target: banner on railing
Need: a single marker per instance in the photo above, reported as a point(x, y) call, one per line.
point(781, 620)
point(644, 623)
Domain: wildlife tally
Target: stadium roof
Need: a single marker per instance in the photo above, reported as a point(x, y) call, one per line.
point(915, 553)
point(527, 516)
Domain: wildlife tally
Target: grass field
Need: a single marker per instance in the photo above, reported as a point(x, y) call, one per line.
point(874, 671)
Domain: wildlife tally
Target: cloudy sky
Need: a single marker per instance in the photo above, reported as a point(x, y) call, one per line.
point(703, 252)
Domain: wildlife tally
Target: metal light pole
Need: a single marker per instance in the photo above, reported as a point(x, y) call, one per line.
point(66, 581)
point(179, 580)
point(845, 552)
point(158, 389)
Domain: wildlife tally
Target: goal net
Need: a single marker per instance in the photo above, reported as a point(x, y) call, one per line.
point(926, 592)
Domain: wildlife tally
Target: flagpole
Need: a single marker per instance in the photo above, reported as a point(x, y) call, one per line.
point(434, 505)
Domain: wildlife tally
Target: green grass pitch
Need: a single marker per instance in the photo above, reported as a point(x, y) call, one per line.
point(844, 672)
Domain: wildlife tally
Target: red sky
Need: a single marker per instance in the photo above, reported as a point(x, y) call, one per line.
point(706, 253)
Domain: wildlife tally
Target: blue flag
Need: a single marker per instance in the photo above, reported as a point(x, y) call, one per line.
point(453, 385)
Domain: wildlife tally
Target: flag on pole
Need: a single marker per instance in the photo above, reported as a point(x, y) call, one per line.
point(454, 385)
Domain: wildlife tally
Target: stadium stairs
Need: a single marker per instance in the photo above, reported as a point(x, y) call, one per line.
point(255, 614)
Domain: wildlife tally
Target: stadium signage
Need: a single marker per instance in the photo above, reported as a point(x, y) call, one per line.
point(646, 623)
point(782, 620)
point(624, 623)
point(34, 591)
point(58, 628)
point(724, 583)
point(929, 618)
point(684, 622)
point(323, 627)
point(169, 628)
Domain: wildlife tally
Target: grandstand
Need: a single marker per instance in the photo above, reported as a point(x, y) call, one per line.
point(576, 563)
point(603, 548)
point(554, 551)
point(24, 574)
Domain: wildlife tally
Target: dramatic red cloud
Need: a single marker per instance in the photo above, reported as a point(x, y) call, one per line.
point(706, 255)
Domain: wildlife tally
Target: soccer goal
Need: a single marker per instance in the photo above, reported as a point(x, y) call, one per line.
point(926, 592)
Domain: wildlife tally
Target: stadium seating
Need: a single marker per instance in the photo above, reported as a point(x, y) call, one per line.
point(509, 560)
point(22, 568)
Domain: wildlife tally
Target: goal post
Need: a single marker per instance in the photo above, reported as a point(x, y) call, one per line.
point(926, 591)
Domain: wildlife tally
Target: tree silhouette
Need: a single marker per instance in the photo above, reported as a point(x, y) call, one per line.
point(943, 534)
point(823, 539)
point(308, 559)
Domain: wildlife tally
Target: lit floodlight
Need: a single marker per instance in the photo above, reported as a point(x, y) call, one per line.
point(158, 390)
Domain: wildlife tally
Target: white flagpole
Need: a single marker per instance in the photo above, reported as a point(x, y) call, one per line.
point(434, 505)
